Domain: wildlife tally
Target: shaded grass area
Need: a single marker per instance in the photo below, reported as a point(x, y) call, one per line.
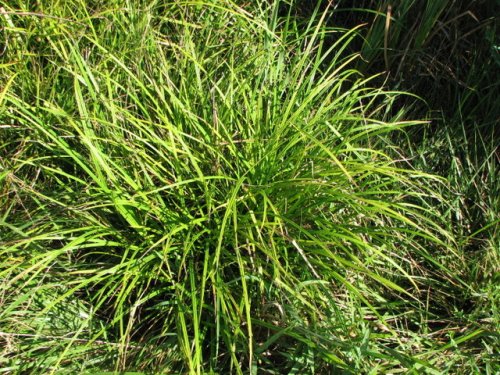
point(207, 186)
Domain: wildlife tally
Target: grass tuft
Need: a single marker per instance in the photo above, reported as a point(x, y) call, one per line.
point(211, 187)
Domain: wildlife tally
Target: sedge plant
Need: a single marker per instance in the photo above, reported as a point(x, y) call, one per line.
point(206, 187)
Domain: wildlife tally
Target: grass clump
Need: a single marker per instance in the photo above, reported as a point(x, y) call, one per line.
point(208, 187)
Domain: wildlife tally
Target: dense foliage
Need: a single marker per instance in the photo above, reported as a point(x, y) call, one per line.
point(239, 187)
